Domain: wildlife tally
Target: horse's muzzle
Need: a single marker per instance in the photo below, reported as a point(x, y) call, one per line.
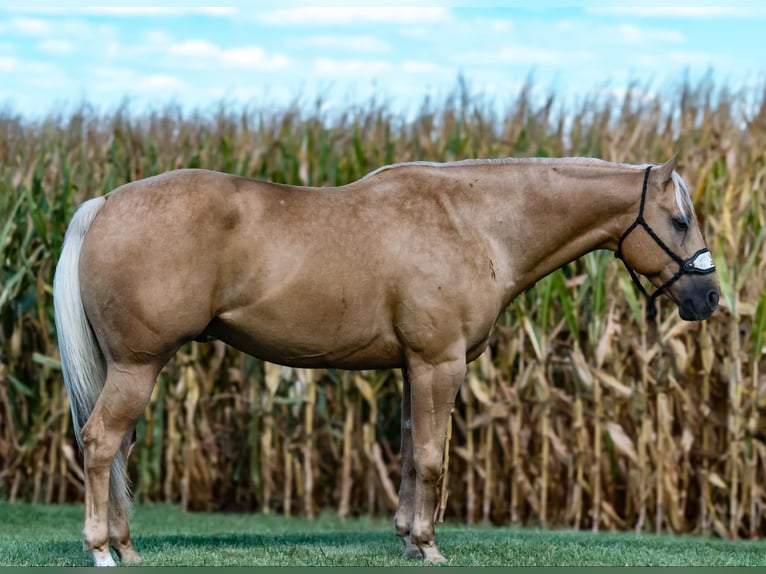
point(699, 305)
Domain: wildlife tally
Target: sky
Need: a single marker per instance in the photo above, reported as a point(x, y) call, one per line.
point(55, 57)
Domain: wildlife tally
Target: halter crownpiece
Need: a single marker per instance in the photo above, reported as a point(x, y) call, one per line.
point(701, 263)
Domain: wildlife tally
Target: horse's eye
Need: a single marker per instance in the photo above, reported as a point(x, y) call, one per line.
point(680, 224)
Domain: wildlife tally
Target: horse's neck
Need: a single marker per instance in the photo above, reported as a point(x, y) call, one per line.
point(554, 213)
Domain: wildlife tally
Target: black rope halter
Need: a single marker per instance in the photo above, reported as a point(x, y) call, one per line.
point(701, 263)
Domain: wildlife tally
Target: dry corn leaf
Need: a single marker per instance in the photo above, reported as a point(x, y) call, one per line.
point(622, 441)
point(680, 354)
point(605, 341)
point(534, 338)
point(479, 389)
point(581, 368)
point(614, 384)
point(717, 481)
point(365, 389)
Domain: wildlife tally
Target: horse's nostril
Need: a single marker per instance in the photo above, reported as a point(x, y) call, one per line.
point(712, 298)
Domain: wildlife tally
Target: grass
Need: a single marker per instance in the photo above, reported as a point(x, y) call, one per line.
point(48, 535)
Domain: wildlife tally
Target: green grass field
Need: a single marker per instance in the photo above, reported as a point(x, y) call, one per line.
point(40, 535)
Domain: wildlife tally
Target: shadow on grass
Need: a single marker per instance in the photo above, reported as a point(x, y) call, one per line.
point(228, 539)
point(226, 548)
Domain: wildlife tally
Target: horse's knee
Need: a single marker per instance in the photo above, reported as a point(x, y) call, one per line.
point(428, 465)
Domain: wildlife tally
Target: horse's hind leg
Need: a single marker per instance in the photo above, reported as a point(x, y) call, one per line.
point(123, 399)
point(406, 506)
point(119, 530)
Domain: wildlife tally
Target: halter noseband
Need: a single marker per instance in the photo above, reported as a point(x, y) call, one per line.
point(701, 263)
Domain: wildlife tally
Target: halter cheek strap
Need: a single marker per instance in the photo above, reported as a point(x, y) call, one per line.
point(701, 263)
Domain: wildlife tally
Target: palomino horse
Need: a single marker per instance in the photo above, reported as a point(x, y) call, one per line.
point(408, 267)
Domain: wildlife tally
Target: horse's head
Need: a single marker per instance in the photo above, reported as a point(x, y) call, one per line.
point(665, 244)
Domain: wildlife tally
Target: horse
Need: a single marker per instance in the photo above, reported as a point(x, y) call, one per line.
point(407, 267)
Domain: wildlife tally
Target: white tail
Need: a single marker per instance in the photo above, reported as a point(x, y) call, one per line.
point(82, 362)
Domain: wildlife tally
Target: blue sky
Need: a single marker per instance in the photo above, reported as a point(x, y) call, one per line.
point(54, 58)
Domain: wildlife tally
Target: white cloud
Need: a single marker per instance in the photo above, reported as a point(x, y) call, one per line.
point(420, 67)
point(688, 58)
point(244, 57)
point(345, 68)
point(31, 26)
point(75, 31)
point(415, 32)
point(196, 49)
point(675, 59)
point(39, 67)
point(529, 56)
point(157, 37)
point(8, 64)
point(253, 57)
point(323, 15)
point(500, 26)
point(80, 30)
point(113, 74)
point(361, 43)
point(217, 11)
point(56, 47)
point(679, 11)
point(160, 82)
point(238, 92)
point(635, 34)
point(128, 11)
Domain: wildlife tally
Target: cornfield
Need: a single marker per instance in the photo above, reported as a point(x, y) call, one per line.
point(581, 413)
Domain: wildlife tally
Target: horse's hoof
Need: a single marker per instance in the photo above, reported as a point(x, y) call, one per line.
point(103, 558)
point(130, 556)
point(412, 552)
point(126, 552)
point(432, 554)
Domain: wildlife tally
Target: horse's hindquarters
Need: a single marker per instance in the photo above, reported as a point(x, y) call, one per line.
point(149, 268)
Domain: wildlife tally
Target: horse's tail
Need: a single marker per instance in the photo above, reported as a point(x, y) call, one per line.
point(82, 361)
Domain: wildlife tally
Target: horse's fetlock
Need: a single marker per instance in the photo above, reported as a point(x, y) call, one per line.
point(402, 525)
point(95, 538)
point(422, 535)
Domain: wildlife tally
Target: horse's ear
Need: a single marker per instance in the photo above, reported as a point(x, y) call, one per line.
point(665, 171)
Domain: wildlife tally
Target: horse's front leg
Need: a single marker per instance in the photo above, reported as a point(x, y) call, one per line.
point(406, 506)
point(434, 386)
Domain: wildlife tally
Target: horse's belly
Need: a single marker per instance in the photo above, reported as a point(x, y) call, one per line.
point(306, 347)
